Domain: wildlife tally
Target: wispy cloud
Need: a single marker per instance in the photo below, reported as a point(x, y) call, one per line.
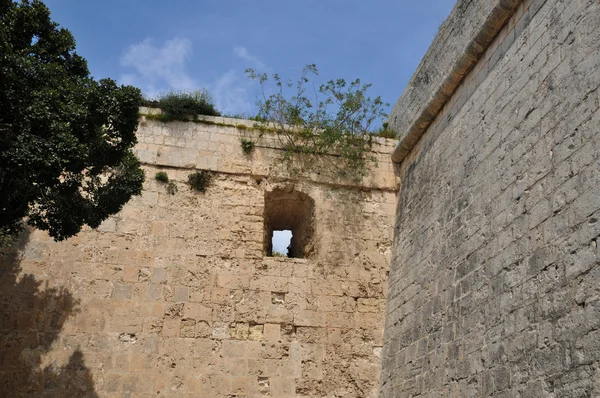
point(157, 68)
point(230, 92)
point(244, 54)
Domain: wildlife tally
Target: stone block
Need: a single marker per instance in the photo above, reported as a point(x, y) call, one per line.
point(220, 331)
point(233, 349)
point(309, 318)
point(197, 311)
point(255, 332)
point(188, 328)
point(182, 293)
point(125, 324)
point(272, 332)
point(171, 327)
point(130, 273)
point(121, 291)
point(159, 275)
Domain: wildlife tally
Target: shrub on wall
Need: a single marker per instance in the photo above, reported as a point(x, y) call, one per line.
point(337, 118)
point(247, 145)
point(386, 132)
point(161, 176)
point(200, 180)
point(171, 188)
point(182, 104)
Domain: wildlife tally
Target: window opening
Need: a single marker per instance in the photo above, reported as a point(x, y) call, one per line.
point(281, 243)
point(289, 214)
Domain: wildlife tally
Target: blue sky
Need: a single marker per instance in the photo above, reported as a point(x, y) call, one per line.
point(209, 43)
point(281, 240)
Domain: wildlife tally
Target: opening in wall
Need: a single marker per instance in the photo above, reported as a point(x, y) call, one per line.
point(281, 243)
point(288, 223)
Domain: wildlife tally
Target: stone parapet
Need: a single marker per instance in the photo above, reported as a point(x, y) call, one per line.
point(459, 45)
point(213, 143)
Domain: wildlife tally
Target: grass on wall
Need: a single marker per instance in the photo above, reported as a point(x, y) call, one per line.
point(183, 105)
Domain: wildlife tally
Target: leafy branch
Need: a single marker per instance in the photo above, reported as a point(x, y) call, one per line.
point(337, 118)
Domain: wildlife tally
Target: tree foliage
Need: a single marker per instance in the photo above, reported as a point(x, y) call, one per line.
point(335, 118)
point(65, 139)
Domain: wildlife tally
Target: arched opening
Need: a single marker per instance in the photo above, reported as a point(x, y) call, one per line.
point(289, 211)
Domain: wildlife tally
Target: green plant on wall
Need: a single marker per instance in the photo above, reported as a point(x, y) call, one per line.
point(200, 180)
point(161, 176)
point(385, 131)
point(171, 188)
point(183, 105)
point(337, 118)
point(247, 145)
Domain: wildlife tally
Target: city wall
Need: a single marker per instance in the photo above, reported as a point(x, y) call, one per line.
point(176, 295)
point(494, 287)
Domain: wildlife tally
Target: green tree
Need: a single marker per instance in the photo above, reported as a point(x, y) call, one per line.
point(65, 139)
point(336, 118)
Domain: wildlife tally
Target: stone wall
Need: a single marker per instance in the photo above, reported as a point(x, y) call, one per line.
point(174, 296)
point(494, 287)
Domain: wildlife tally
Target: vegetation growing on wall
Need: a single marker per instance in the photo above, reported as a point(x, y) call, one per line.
point(200, 180)
point(385, 131)
point(161, 176)
point(66, 139)
point(337, 118)
point(171, 188)
point(247, 145)
point(183, 105)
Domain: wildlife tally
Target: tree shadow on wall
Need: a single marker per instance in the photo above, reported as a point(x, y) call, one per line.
point(31, 318)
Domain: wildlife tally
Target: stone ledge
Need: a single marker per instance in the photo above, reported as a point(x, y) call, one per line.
point(380, 143)
point(213, 143)
point(458, 46)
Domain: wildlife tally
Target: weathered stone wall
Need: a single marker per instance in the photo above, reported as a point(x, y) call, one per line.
point(494, 287)
point(174, 296)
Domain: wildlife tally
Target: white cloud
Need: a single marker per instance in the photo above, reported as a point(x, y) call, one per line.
point(158, 68)
point(230, 92)
point(244, 54)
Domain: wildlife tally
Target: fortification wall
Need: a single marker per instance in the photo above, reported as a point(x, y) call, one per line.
point(495, 277)
point(175, 295)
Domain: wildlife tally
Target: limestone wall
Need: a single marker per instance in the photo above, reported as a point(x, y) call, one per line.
point(175, 297)
point(494, 287)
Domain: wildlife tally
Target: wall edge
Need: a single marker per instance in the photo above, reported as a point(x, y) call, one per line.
point(424, 97)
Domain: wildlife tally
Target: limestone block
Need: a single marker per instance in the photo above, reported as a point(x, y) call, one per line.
point(272, 332)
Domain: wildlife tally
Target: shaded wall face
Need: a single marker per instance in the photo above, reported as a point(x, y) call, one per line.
point(495, 277)
point(174, 296)
point(32, 315)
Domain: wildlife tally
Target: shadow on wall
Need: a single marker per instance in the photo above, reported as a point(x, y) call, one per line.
point(31, 318)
